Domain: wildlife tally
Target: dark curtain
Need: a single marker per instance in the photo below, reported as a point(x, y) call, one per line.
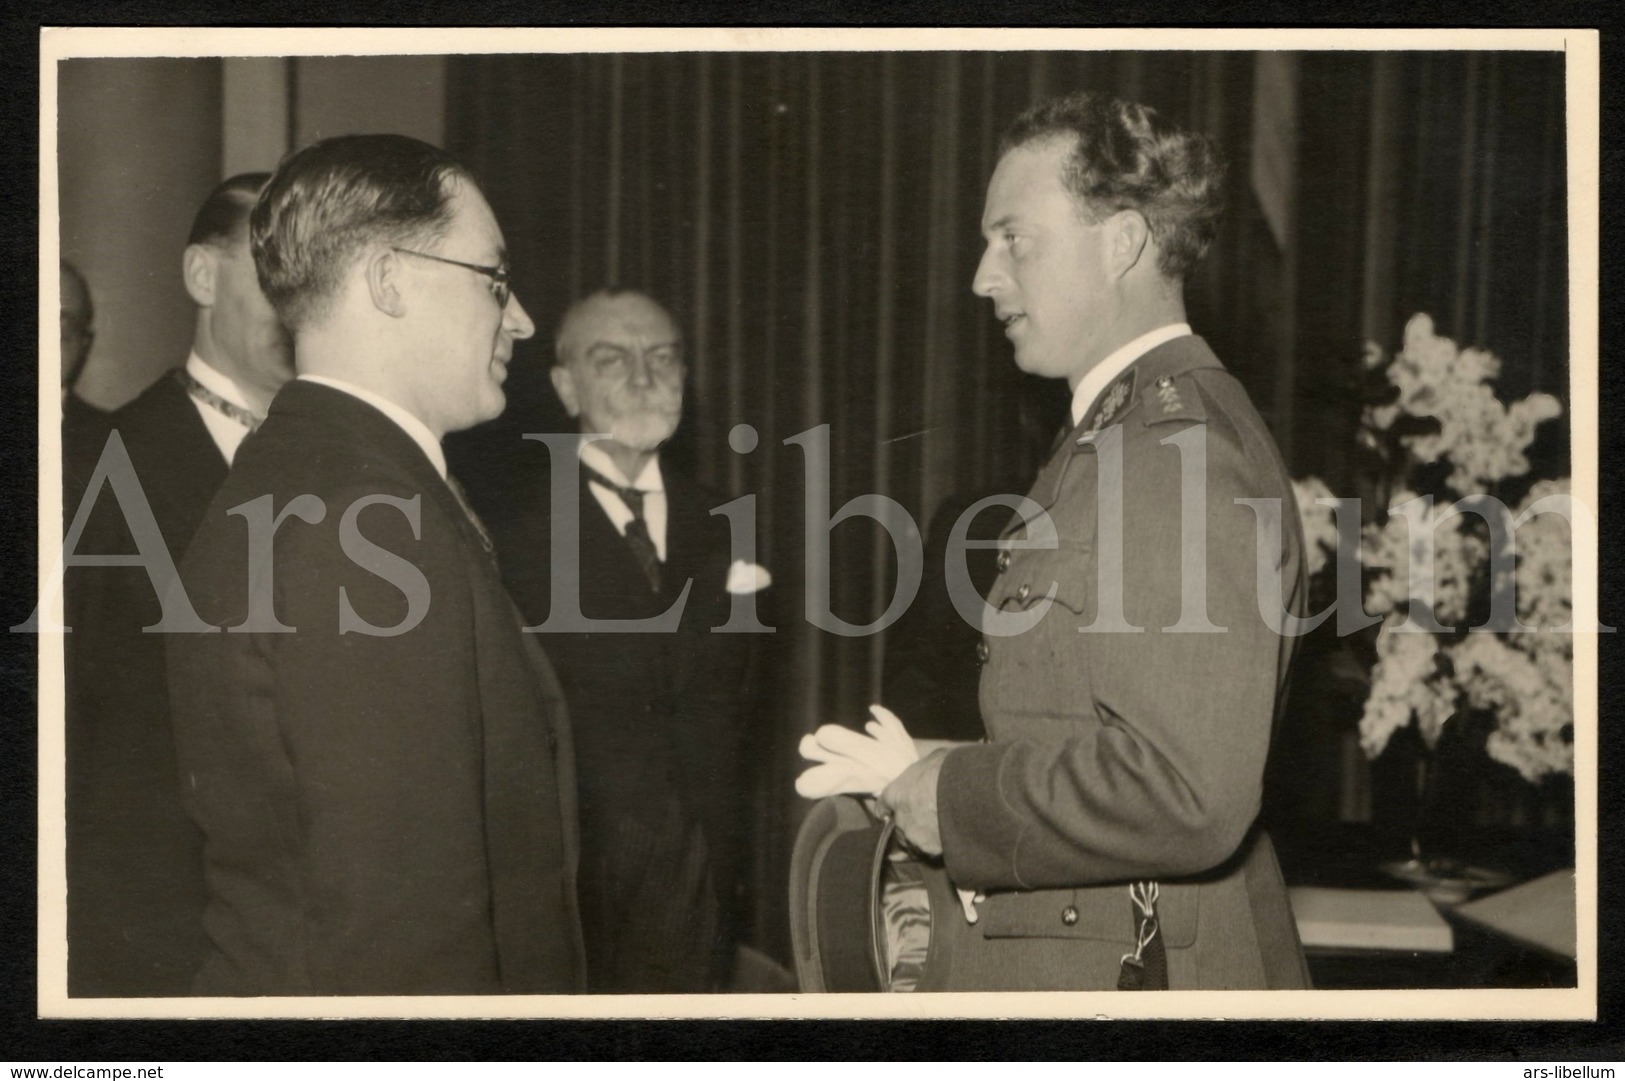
point(1432, 182)
point(812, 219)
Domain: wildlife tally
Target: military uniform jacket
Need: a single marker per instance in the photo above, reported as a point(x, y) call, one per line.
point(1117, 757)
point(382, 814)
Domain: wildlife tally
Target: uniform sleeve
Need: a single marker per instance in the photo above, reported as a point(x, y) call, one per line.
point(1157, 770)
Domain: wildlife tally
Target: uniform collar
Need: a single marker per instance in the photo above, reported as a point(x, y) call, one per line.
point(1117, 361)
point(1153, 376)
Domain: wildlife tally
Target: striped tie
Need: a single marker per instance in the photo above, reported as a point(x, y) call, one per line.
point(637, 530)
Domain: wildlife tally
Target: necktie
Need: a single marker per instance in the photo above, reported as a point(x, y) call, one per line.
point(637, 530)
point(214, 401)
point(468, 510)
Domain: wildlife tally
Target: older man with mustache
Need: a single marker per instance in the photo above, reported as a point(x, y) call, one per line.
point(658, 716)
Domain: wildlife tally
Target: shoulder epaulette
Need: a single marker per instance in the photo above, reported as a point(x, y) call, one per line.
point(1173, 398)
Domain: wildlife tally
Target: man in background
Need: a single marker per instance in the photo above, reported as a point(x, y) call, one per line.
point(657, 716)
point(78, 334)
point(378, 758)
point(1106, 833)
point(83, 425)
point(135, 896)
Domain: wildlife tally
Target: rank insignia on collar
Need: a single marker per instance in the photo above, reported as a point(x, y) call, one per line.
point(1112, 402)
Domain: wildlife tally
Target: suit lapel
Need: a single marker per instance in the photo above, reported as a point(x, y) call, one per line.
point(179, 466)
point(517, 714)
point(684, 533)
point(606, 562)
point(193, 445)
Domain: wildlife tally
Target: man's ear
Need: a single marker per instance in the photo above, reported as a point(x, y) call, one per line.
point(199, 264)
point(383, 272)
point(564, 385)
point(1129, 238)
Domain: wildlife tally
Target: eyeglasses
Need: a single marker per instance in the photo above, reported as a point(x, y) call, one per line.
point(615, 362)
point(500, 287)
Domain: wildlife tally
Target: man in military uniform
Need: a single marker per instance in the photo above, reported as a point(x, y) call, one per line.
point(1108, 827)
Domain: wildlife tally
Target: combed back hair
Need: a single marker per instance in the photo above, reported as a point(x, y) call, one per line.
point(607, 292)
point(1127, 157)
point(224, 213)
point(332, 200)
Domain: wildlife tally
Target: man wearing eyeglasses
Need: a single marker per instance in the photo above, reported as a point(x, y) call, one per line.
point(657, 717)
point(378, 758)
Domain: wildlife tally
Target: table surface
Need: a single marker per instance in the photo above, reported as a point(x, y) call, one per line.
point(1348, 855)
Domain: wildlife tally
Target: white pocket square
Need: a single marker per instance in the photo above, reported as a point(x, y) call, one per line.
point(747, 577)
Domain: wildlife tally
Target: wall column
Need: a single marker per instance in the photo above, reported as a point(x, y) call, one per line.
point(138, 148)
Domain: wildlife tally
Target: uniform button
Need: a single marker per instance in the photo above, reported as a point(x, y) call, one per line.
point(1024, 592)
point(1004, 561)
point(981, 652)
point(1069, 915)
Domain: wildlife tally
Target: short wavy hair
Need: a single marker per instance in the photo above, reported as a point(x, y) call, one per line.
point(224, 214)
point(1127, 157)
point(326, 204)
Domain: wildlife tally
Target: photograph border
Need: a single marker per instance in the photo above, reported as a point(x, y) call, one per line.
point(1582, 52)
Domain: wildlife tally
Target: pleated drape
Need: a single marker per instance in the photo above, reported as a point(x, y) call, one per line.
point(1431, 182)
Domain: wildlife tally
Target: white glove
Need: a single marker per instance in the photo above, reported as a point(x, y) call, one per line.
point(836, 774)
point(855, 763)
point(895, 746)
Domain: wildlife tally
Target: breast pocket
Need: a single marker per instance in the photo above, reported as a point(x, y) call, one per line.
point(1033, 651)
point(1063, 576)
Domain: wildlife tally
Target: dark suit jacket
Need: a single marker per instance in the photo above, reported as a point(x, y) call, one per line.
point(1116, 757)
point(84, 427)
point(135, 876)
point(383, 813)
point(657, 721)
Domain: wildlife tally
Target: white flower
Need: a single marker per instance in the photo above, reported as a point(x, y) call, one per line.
point(1533, 703)
point(1483, 439)
point(1545, 566)
point(1319, 522)
point(1392, 548)
point(1380, 417)
point(1525, 680)
point(1405, 684)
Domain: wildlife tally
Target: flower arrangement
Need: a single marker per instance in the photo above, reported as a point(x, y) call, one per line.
point(1438, 432)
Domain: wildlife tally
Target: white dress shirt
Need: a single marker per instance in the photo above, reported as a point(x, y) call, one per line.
point(1116, 363)
point(228, 433)
point(403, 419)
point(649, 482)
